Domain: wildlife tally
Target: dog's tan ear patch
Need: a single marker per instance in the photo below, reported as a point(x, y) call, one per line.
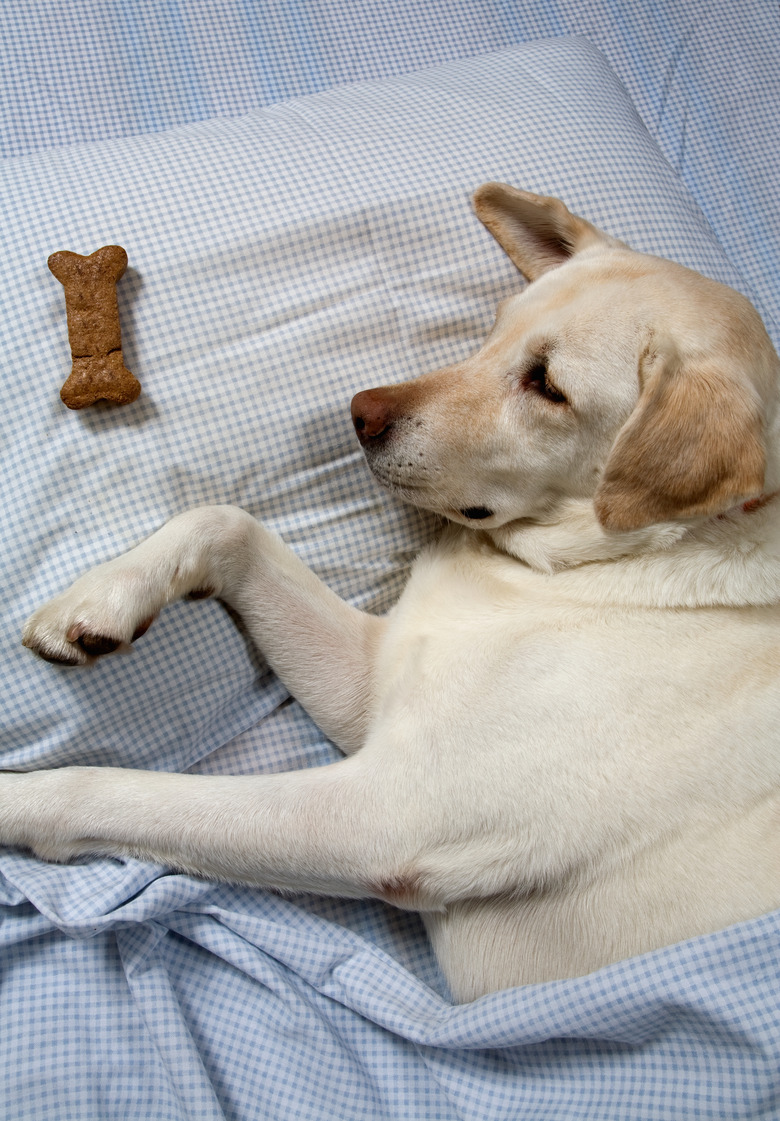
point(693, 446)
point(536, 232)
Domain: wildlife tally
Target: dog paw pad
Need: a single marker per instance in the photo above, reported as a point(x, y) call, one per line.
point(143, 627)
point(98, 644)
point(200, 593)
point(57, 659)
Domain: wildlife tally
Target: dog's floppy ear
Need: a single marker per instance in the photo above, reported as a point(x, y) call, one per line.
point(536, 232)
point(692, 446)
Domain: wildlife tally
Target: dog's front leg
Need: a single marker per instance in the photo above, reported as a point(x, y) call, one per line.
point(322, 648)
point(326, 829)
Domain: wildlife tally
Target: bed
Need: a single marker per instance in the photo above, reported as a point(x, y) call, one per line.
point(291, 181)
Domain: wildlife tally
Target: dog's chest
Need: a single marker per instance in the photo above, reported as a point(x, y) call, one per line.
point(471, 642)
point(457, 601)
point(487, 671)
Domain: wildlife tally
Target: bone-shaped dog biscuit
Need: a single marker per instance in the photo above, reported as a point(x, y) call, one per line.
point(98, 372)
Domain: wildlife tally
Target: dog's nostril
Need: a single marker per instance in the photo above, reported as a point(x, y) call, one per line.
point(371, 428)
point(372, 435)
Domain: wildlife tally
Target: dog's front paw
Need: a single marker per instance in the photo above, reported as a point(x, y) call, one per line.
point(101, 613)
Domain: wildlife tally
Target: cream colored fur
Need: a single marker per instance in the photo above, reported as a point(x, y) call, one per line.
point(562, 744)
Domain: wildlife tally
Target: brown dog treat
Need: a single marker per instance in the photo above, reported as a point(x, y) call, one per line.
point(98, 372)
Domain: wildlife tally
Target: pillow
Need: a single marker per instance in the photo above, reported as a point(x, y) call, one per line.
point(278, 263)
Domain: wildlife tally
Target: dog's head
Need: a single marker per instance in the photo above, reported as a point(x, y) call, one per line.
point(614, 379)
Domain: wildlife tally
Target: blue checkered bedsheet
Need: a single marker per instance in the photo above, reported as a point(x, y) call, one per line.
point(126, 990)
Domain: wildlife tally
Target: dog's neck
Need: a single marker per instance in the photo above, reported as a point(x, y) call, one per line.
point(732, 559)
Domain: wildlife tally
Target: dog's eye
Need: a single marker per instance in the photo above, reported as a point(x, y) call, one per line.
point(536, 379)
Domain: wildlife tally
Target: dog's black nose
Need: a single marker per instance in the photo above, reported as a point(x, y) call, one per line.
point(372, 415)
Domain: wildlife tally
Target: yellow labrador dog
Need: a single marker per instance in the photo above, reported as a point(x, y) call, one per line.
point(563, 744)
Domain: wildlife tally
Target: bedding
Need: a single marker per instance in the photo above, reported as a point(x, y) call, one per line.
point(280, 260)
